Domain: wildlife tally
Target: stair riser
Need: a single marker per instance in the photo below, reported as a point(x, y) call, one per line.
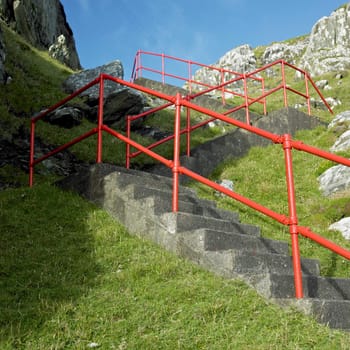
point(282, 286)
point(215, 240)
point(182, 222)
point(272, 264)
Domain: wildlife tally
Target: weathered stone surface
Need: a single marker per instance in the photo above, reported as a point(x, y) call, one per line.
point(122, 103)
point(62, 52)
point(335, 179)
point(284, 51)
point(340, 119)
point(342, 143)
point(2, 59)
point(343, 226)
point(41, 22)
point(329, 46)
point(79, 80)
point(66, 117)
point(240, 59)
point(321, 84)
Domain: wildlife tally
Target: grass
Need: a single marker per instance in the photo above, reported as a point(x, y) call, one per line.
point(76, 277)
point(260, 176)
point(71, 276)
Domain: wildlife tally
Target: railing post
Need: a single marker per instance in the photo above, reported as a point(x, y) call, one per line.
point(100, 121)
point(307, 93)
point(263, 92)
point(284, 84)
point(127, 145)
point(293, 225)
point(222, 77)
point(139, 65)
point(246, 100)
point(176, 160)
point(31, 156)
point(190, 76)
point(188, 131)
point(163, 69)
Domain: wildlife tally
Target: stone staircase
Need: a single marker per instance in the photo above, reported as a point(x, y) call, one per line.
point(212, 238)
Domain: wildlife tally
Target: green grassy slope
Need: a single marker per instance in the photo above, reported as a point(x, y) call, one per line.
point(70, 276)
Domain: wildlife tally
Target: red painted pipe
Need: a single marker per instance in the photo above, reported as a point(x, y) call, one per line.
point(287, 147)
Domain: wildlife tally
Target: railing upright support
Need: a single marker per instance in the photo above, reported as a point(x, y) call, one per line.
point(31, 159)
point(163, 69)
point(263, 93)
point(176, 159)
point(284, 84)
point(293, 226)
point(246, 100)
point(100, 121)
point(188, 132)
point(189, 77)
point(127, 145)
point(222, 77)
point(307, 93)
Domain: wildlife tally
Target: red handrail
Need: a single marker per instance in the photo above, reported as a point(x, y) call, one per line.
point(254, 75)
point(138, 68)
point(290, 220)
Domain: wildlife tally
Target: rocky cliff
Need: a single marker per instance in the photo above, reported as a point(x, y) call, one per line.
point(325, 49)
point(43, 23)
point(329, 44)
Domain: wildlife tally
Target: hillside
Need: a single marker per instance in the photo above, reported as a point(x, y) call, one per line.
point(71, 277)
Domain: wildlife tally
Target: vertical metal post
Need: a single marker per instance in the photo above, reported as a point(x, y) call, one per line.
point(31, 157)
point(293, 226)
point(127, 145)
point(100, 121)
point(139, 65)
point(176, 159)
point(307, 93)
point(263, 92)
point(284, 85)
point(188, 131)
point(163, 67)
point(246, 101)
point(222, 77)
point(190, 76)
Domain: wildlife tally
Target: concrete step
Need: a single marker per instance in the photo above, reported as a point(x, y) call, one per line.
point(126, 177)
point(213, 240)
point(333, 313)
point(282, 286)
point(256, 262)
point(187, 203)
point(246, 262)
point(181, 222)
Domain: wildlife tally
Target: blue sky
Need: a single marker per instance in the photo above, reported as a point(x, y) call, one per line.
point(198, 30)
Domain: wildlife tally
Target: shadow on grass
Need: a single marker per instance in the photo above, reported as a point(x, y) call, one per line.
point(46, 257)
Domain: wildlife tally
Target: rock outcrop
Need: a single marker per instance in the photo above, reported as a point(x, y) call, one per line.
point(325, 49)
point(119, 101)
point(2, 59)
point(43, 24)
point(337, 178)
point(329, 44)
point(286, 51)
point(240, 59)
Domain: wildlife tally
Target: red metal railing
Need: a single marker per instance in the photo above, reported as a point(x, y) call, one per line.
point(138, 68)
point(288, 144)
point(227, 78)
